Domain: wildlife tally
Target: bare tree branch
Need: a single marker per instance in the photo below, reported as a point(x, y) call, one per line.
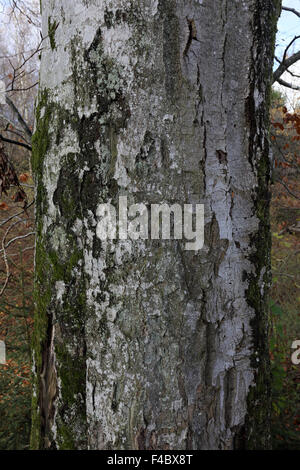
point(285, 65)
point(292, 10)
point(293, 74)
point(15, 142)
point(24, 89)
point(19, 117)
point(15, 5)
point(11, 56)
point(288, 189)
point(6, 267)
point(2, 116)
point(277, 60)
point(288, 85)
point(19, 134)
point(23, 251)
point(20, 237)
point(287, 48)
point(16, 215)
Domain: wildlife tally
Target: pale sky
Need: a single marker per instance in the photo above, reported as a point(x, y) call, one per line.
point(288, 28)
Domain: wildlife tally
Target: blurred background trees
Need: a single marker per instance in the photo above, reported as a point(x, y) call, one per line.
point(285, 293)
point(20, 43)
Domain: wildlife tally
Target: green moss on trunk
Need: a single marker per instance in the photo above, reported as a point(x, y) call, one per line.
point(256, 432)
point(52, 27)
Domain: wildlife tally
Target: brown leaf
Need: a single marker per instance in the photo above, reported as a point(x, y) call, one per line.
point(24, 177)
point(3, 206)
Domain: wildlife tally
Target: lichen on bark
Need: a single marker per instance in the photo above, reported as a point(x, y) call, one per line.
point(141, 344)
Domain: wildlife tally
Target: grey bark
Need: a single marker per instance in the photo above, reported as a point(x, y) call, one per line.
point(143, 345)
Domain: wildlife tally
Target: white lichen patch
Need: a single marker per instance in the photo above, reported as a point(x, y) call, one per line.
point(60, 290)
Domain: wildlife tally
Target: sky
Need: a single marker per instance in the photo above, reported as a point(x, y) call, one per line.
point(288, 28)
point(288, 25)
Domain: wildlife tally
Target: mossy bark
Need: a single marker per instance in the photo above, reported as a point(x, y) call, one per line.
point(141, 344)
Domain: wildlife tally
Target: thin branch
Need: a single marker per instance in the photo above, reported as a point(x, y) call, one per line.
point(288, 85)
point(292, 10)
point(19, 117)
point(6, 245)
point(283, 274)
point(10, 122)
point(31, 186)
point(6, 262)
point(285, 65)
point(29, 19)
point(18, 238)
point(24, 89)
point(25, 249)
point(287, 48)
point(293, 74)
point(15, 215)
point(292, 163)
point(36, 51)
point(19, 134)
point(15, 142)
point(11, 56)
point(288, 189)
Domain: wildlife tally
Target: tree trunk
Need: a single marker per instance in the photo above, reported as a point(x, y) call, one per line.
point(144, 344)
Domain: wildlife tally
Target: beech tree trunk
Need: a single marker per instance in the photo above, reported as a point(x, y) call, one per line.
point(143, 344)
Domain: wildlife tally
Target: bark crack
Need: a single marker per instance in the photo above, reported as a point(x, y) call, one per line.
point(192, 35)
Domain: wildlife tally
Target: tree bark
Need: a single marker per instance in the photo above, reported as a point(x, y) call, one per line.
point(142, 344)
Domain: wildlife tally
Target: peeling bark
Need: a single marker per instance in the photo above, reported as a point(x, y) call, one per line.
point(143, 345)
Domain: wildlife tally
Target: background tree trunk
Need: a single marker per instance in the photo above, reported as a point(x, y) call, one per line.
point(143, 345)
